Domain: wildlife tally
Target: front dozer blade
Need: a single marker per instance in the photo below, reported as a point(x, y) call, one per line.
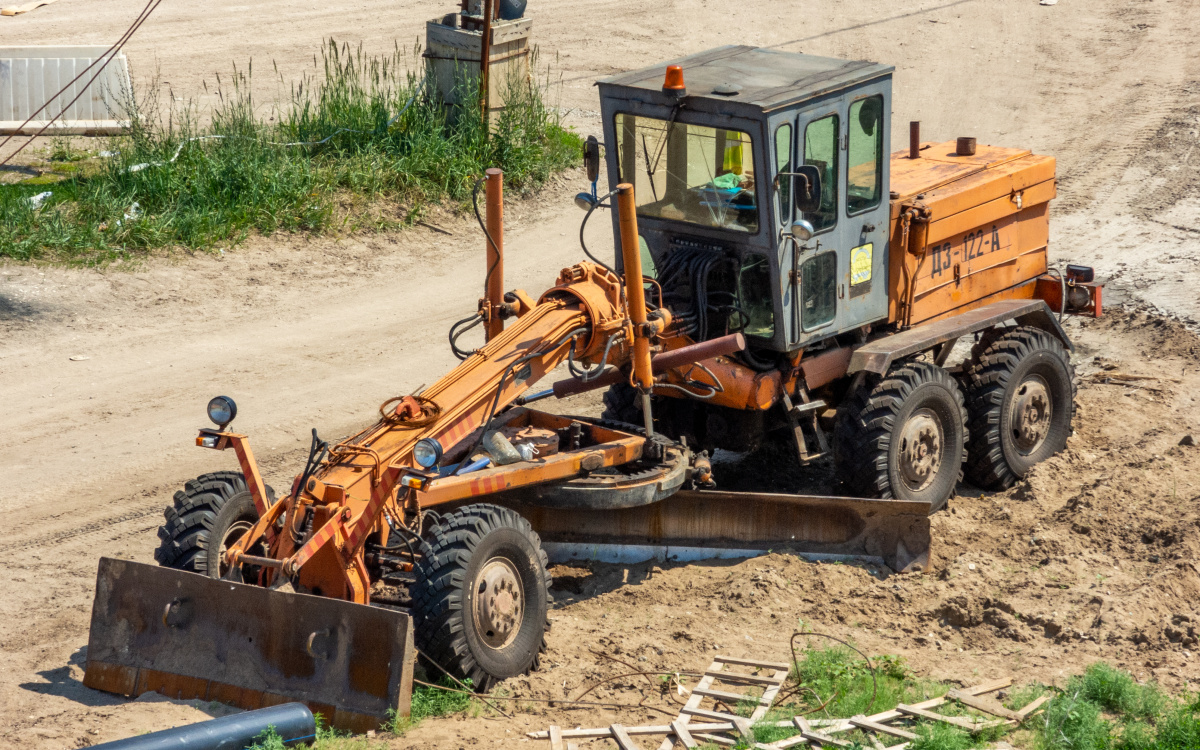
point(694, 524)
point(187, 636)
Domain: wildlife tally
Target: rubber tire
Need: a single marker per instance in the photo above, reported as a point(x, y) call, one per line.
point(204, 509)
point(865, 463)
point(444, 629)
point(991, 376)
point(622, 403)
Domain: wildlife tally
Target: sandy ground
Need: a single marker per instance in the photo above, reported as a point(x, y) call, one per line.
point(1093, 557)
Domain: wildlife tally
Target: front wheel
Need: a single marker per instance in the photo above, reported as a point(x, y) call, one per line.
point(482, 595)
point(903, 438)
point(208, 516)
point(1021, 400)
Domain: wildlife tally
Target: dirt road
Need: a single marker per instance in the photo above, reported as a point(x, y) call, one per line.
point(308, 333)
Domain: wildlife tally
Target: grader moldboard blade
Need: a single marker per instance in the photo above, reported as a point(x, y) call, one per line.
point(187, 636)
point(691, 525)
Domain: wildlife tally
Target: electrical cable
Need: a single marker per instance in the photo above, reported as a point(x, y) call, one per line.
point(1062, 285)
point(107, 57)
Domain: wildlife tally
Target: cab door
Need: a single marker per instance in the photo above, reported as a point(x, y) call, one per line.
point(863, 275)
point(812, 267)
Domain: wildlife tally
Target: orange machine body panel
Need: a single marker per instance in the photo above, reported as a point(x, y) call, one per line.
point(979, 231)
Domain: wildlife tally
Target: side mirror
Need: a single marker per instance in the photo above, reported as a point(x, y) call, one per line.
point(807, 183)
point(591, 158)
point(802, 231)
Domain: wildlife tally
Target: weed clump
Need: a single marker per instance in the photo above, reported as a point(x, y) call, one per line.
point(366, 130)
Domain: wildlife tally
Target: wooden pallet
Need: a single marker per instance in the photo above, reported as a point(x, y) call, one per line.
point(769, 677)
point(723, 728)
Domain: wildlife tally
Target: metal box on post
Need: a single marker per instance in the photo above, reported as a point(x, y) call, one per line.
point(453, 48)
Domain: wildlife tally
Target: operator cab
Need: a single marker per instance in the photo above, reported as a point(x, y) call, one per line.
point(761, 182)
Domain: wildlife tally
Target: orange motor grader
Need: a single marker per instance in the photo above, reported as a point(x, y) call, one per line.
point(779, 278)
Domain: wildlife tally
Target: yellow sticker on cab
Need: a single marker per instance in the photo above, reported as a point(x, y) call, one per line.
point(860, 263)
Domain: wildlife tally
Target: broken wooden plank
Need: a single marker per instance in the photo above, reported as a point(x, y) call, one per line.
point(752, 663)
point(556, 738)
point(746, 679)
point(863, 722)
point(681, 731)
point(768, 696)
point(624, 741)
point(958, 721)
point(693, 701)
point(1024, 713)
point(716, 739)
point(725, 696)
point(599, 732)
point(824, 740)
point(983, 703)
point(986, 687)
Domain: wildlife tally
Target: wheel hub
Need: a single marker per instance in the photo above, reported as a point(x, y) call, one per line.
point(499, 603)
point(235, 532)
point(1029, 415)
point(920, 449)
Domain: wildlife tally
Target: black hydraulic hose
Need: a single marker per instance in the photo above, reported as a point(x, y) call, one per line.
point(292, 722)
point(486, 233)
point(583, 224)
point(456, 332)
point(318, 449)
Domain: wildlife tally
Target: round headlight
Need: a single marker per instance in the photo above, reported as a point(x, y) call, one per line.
point(222, 410)
point(427, 452)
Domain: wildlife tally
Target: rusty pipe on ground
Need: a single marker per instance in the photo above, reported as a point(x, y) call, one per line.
point(494, 326)
point(635, 296)
point(659, 363)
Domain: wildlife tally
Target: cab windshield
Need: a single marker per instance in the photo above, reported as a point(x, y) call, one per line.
point(690, 173)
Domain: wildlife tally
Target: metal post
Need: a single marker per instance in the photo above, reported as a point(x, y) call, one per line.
point(495, 253)
point(914, 139)
point(485, 55)
point(635, 295)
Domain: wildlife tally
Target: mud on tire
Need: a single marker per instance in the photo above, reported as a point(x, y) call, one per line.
point(871, 424)
point(204, 512)
point(1024, 370)
point(451, 618)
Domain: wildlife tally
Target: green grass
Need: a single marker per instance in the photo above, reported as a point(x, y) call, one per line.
point(237, 181)
point(841, 673)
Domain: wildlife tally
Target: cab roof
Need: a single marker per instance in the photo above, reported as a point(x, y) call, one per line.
point(764, 78)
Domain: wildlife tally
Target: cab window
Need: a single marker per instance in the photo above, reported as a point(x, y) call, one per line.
point(864, 162)
point(691, 173)
point(757, 302)
point(821, 151)
point(818, 285)
point(783, 163)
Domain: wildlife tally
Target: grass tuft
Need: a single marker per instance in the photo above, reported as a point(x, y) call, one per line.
point(215, 184)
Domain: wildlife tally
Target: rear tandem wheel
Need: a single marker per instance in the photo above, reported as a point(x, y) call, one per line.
point(1020, 400)
point(904, 437)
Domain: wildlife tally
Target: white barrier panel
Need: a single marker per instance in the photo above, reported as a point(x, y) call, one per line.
point(29, 76)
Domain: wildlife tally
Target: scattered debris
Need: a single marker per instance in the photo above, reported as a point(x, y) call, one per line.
point(79, 358)
point(36, 201)
point(726, 729)
point(1049, 2)
point(16, 10)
